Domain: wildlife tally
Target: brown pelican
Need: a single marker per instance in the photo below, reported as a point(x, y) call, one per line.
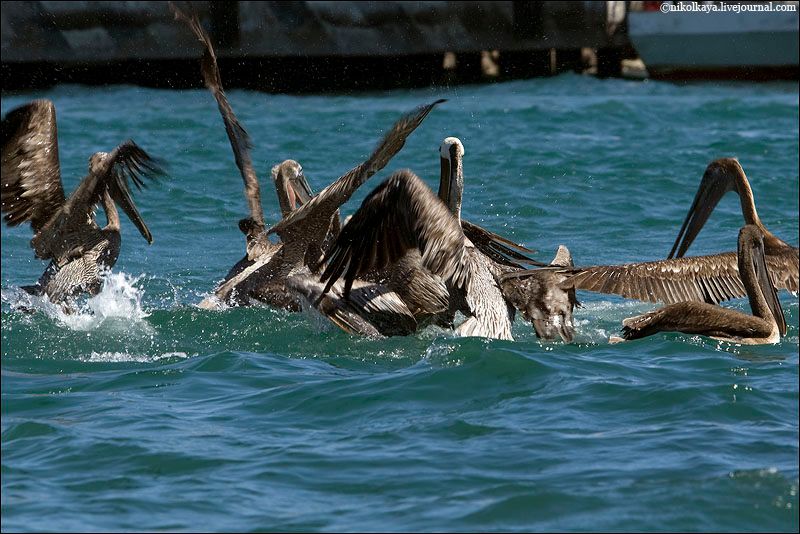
point(304, 231)
point(721, 176)
point(242, 283)
point(403, 213)
point(426, 295)
point(538, 294)
point(391, 233)
point(713, 278)
point(65, 230)
point(766, 325)
point(290, 184)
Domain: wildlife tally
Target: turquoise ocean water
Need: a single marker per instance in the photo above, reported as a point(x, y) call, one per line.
point(145, 412)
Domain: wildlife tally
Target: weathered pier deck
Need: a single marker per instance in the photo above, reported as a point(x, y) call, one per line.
point(310, 46)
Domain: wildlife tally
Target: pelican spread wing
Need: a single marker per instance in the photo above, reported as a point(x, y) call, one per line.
point(126, 163)
point(332, 197)
point(400, 214)
point(711, 279)
point(31, 174)
point(238, 136)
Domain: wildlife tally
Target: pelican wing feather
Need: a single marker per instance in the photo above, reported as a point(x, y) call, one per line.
point(31, 174)
point(332, 197)
point(238, 136)
point(126, 163)
point(400, 214)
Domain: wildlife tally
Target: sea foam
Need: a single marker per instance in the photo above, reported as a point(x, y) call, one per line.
point(119, 298)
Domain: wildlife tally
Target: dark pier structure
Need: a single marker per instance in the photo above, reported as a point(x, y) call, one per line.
point(296, 47)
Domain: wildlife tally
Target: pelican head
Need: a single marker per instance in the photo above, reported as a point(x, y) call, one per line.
point(97, 162)
point(451, 184)
point(291, 186)
point(118, 191)
point(722, 176)
point(755, 275)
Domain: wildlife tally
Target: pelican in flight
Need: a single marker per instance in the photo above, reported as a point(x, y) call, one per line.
point(766, 325)
point(712, 278)
point(65, 231)
point(402, 215)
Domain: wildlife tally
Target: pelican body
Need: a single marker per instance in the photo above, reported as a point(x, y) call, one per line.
point(403, 226)
point(241, 285)
point(712, 278)
point(766, 325)
point(491, 302)
point(65, 230)
point(722, 176)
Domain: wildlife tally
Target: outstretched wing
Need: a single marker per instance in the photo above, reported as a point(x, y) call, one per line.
point(31, 175)
point(126, 163)
point(784, 268)
point(239, 139)
point(332, 197)
point(400, 214)
point(710, 279)
point(497, 247)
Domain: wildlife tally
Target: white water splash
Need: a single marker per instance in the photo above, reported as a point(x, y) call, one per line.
point(119, 298)
point(212, 302)
point(121, 357)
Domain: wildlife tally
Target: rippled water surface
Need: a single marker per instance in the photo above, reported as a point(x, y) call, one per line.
point(145, 412)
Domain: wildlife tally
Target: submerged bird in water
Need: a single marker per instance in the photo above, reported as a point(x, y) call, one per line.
point(766, 325)
point(538, 294)
point(65, 230)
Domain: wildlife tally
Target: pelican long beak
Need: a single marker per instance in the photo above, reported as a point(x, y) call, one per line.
point(302, 190)
point(715, 183)
point(291, 195)
point(766, 286)
point(445, 180)
point(118, 189)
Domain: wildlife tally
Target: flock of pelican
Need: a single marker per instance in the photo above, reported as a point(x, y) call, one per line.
point(405, 259)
